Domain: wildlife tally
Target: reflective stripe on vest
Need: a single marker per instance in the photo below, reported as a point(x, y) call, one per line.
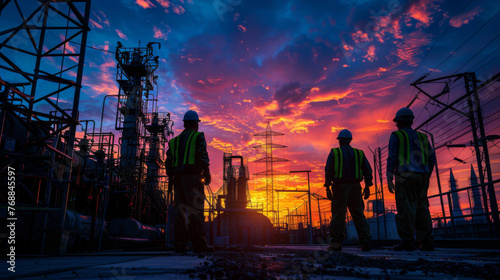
point(424, 142)
point(358, 154)
point(404, 147)
point(339, 162)
point(174, 146)
point(337, 153)
point(189, 151)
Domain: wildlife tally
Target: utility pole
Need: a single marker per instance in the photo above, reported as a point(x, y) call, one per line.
point(318, 197)
point(439, 185)
point(309, 203)
point(382, 187)
point(481, 143)
point(477, 128)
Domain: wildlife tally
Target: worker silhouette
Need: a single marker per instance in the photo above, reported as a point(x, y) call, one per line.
point(187, 165)
point(345, 168)
point(411, 161)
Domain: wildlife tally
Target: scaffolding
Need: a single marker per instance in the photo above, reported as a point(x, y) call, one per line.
point(145, 132)
point(42, 57)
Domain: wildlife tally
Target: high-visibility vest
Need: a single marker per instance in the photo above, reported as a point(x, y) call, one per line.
point(189, 151)
point(338, 163)
point(404, 147)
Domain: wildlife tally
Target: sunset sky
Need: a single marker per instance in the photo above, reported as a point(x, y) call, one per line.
point(310, 68)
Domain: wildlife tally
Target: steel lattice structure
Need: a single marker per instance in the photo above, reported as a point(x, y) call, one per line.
point(42, 53)
point(269, 159)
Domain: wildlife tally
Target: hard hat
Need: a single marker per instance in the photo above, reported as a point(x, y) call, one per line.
point(344, 133)
point(404, 113)
point(191, 116)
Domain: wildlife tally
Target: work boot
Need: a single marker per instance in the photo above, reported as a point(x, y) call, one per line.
point(335, 247)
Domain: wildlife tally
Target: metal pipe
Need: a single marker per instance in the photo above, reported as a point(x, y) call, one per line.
point(382, 189)
point(473, 104)
point(438, 183)
point(74, 113)
point(102, 116)
point(486, 156)
point(309, 198)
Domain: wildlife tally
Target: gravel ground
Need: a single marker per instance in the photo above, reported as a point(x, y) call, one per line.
point(262, 263)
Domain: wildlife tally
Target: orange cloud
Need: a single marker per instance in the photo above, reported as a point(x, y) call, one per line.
point(459, 20)
point(298, 125)
point(145, 3)
point(360, 37)
point(412, 47)
point(422, 11)
point(337, 128)
point(58, 100)
point(191, 60)
point(219, 144)
point(264, 109)
point(165, 4)
point(325, 96)
point(104, 83)
point(93, 23)
point(178, 9)
point(370, 53)
point(123, 36)
point(158, 33)
point(242, 28)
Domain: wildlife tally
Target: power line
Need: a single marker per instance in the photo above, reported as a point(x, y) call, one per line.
point(468, 39)
point(90, 47)
point(439, 38)
point(477, 53)
point(488, 62)
point(484, 59)
point(425, 56)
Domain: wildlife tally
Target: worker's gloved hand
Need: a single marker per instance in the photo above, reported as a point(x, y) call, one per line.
point(390, 185)
point(208, 178)
point(329, 194)
point(327, 184)
point(366, 192)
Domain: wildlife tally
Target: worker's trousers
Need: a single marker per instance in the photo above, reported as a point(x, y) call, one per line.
point(413, 215)
point(189, 200)
point(348, 195)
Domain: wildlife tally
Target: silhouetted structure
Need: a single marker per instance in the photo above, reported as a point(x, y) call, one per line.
point(235, 223)
point(37, 134)
point(269, 159)
point(477, 205)
point(455, 202)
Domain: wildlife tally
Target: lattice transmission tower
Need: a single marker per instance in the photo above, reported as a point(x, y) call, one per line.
point(268, 158)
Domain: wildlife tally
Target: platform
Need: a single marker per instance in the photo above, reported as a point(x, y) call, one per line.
point(269, 262)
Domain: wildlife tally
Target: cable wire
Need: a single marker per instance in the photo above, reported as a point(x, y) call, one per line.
point(420, 63)
point(468, 39)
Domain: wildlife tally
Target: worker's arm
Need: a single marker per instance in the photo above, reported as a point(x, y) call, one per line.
point(367, 175)
point(367, 171)
point(169, 160)
point(432, 158)
point(203, 159)
point(329, 169)
point(392, 161)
